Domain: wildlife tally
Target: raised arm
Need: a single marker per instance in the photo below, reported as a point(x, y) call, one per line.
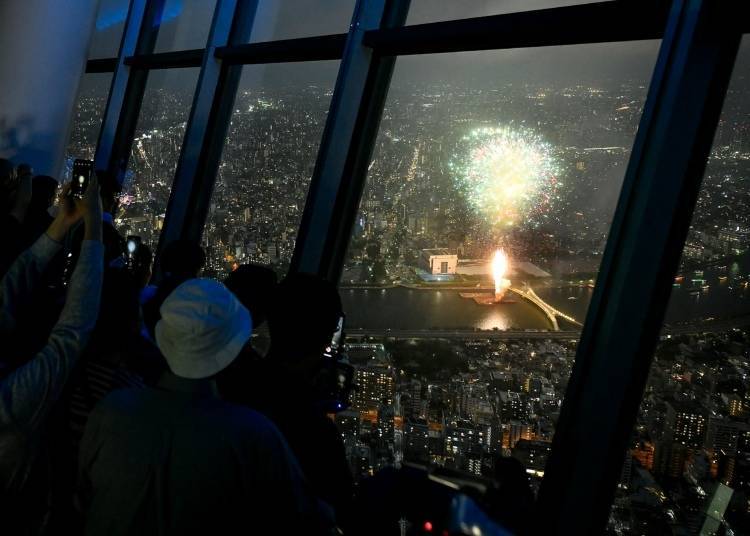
point(22, 277)
point(25, 272)
point(28, 393)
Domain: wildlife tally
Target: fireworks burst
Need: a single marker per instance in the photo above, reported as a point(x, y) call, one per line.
point(508, 175)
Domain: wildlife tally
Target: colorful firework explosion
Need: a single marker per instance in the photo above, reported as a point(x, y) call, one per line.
point(509, 176)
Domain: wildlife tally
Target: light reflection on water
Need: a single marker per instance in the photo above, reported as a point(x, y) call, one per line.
point(400, 308)
point(496, 318)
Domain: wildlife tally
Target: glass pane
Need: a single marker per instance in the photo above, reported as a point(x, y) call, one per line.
point(268, 159)
point(423, 11)
point(156, 149)
point(185, 25)
point(518, 151)
point(110, 23)
point(289, 19)
point(688, 466)
point(87, 118)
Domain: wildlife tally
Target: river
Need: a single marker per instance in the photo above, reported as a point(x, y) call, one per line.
point(402, 308)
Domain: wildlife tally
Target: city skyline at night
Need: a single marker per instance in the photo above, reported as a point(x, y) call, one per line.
point(523, 151)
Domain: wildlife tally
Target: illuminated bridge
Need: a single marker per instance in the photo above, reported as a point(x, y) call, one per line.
point(552, 313)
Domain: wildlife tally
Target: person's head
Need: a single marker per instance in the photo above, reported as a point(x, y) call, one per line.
point(43, 191)
point(7, 183)
point(255, 286)
point(182, 259)
point(203, 328)
point(110, 189)
point(119, 311)
point(303, 317)
point(24, 170)
point(7, 171)
point(142, 264)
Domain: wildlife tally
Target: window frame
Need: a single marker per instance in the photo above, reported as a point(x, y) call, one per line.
point(576, 493)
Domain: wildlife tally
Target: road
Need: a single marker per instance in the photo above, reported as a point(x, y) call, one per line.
point(460, 334)
point(716, 326)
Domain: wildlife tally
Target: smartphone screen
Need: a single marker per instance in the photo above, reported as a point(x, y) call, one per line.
point(132, 244)
point(82, 170)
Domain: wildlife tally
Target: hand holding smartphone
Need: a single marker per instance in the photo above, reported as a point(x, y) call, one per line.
point(82, 171)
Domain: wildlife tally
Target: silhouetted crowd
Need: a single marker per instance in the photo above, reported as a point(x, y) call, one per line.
point(134, 407)
point(135, 399)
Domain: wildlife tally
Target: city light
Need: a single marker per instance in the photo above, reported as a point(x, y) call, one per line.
point(508, 175)
point(461, 383)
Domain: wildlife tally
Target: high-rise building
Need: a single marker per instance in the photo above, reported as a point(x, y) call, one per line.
point(386, 420)
point(347, 423)
point(512, 406)
point(515, 431)
point(686, 423)
point(735, 406)
point(723, 434)
point(532, 454)
point(415, 407)
point(416, 441)
point(374, 386)
point(465, 444)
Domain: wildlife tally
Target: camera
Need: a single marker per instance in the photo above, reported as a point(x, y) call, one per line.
point(335, 379)
point(133, 244)
point(82, 170)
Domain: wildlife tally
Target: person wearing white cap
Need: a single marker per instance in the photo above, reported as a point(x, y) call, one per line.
point(176, 459)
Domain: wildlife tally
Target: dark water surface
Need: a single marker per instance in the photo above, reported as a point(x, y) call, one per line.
point(401, 308)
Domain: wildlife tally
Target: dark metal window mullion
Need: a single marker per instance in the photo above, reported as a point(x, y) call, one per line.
point(643, 251)
point(570, 25)
point(167, 60)
point(127, 89)
point(578, 24)
point(348, 139)
point(210, 113)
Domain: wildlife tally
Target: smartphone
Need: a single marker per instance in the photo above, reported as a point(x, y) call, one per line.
point(133, 243)
point(82, 170)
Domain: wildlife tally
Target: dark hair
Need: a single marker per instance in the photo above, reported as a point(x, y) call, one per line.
point(255, 286)
point(7, 184)
point(182, 259)
point(43, 189)
point(143, 258)
point(7, 169)
point(109, 187)
point(304, 315)
point(120, 308)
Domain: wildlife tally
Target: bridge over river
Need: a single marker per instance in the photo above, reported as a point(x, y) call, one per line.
point(553, 314)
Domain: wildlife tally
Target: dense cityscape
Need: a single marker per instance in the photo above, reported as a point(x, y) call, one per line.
point(462, 402)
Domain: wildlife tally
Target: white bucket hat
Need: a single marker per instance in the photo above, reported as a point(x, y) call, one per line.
point(202, 329)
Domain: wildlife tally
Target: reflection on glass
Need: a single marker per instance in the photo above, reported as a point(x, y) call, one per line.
point(267, 163)
point(510, 155)
point(156, 149)
point(185, 24)
point(423, 11)
point(110, 23)
point(688, 464)
point(290, 19)
point(87, 118)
